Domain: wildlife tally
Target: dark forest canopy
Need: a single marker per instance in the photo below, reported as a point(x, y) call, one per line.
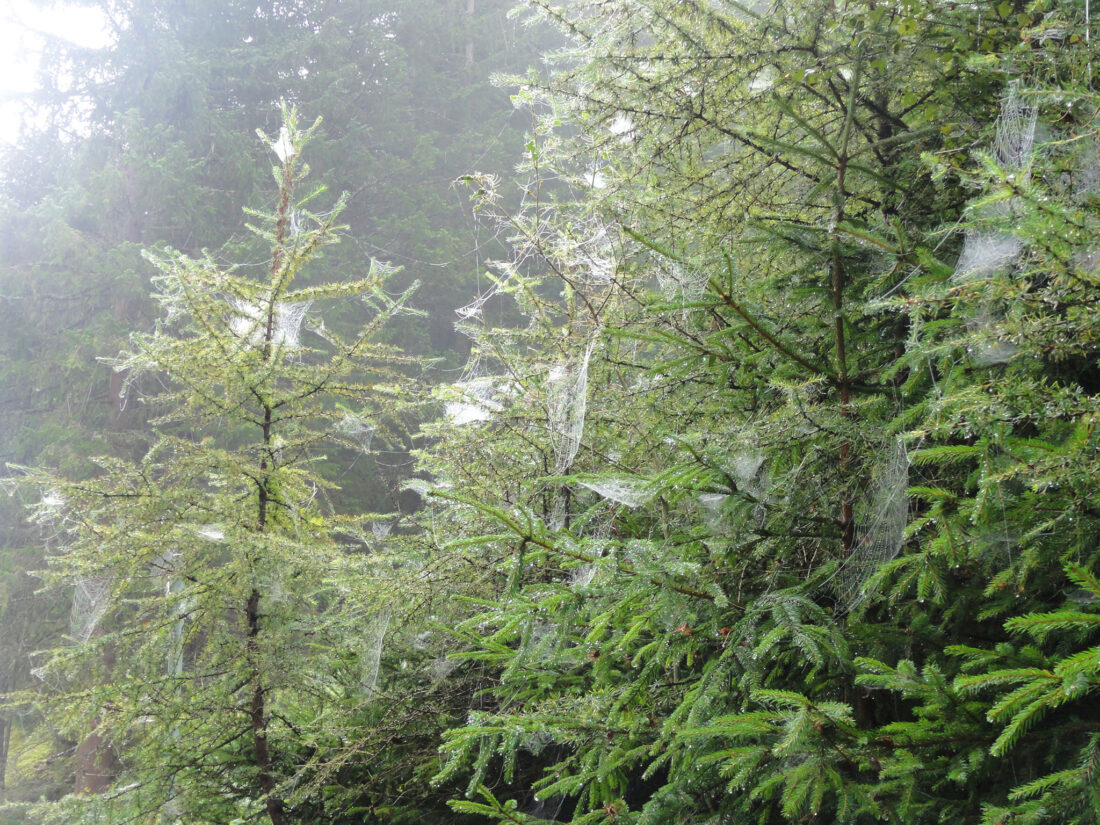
point(767, 491)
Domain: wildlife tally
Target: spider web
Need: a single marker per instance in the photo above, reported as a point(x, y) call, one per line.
point(631, 492)
point(371, 652)
point(566, 402)
point(286, 329)
point(987, 252)
point(879, 538)
point(479, 392)
point(357, 429)
point(91, 598)
point(1014, 137)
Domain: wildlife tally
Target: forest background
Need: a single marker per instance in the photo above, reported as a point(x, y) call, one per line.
point(755, 478)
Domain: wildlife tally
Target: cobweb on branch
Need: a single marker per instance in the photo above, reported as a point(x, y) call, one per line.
point(749, 477)
point(1014, 137)
point(390, 304)
point(251, 322)
point(559, 511)
point(879, 535)
point(591, 259)
point(985, 348)
point(210, 532)
point(984, 254)
point(477, 403)
point(566, 401)
point(91, 598)
point(1086, 177)
point(678, 281)
point(472, 311)
point(294, 221)
point(597, 534)
point(357, 429)
point(371, 652)
point(283, 146)
point(441, 668)
point(51, 512)
point(631, 492)
point(1086, 186)
point(379, 530)
point(479, 394)
point(987, 252)
point(746, 469)
point(711, 505)
point(424, 487)
point(471, 316)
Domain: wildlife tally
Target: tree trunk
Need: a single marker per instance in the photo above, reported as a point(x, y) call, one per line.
point(5, 742)
point(96, 765)
point(470, 34)
point(276, 810)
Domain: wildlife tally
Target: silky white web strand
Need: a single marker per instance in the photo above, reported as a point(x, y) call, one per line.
point(878, 539)
point(567, 398)
point(249, 324)
point(356, 429)
point(987, 252)
point(1014, 136)
point(371, 655)
point(631, 492)
point(479, 394)
point(984, 254)
point(91, 598)
point(591, 260)
point(283, 146)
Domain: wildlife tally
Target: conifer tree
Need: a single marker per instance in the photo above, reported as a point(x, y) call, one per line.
point(212, 655)
point(803, 434)
point(165, 155)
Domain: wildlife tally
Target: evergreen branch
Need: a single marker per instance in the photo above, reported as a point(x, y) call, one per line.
point(528, 536)
point(729, 301)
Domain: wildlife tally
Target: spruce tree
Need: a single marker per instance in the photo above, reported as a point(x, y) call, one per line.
point(771, 583)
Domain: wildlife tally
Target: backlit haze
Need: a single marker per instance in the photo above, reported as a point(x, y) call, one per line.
point(23, 29)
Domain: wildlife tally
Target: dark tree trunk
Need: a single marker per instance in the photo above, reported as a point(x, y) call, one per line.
point(276, 810)
point(96, 765)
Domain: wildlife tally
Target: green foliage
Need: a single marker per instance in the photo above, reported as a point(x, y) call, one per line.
point(214, 658)
point(767, 493)
point(163, 157)
point(733, 601)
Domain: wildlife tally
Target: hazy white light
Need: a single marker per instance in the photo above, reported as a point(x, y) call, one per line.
point(24, 28)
